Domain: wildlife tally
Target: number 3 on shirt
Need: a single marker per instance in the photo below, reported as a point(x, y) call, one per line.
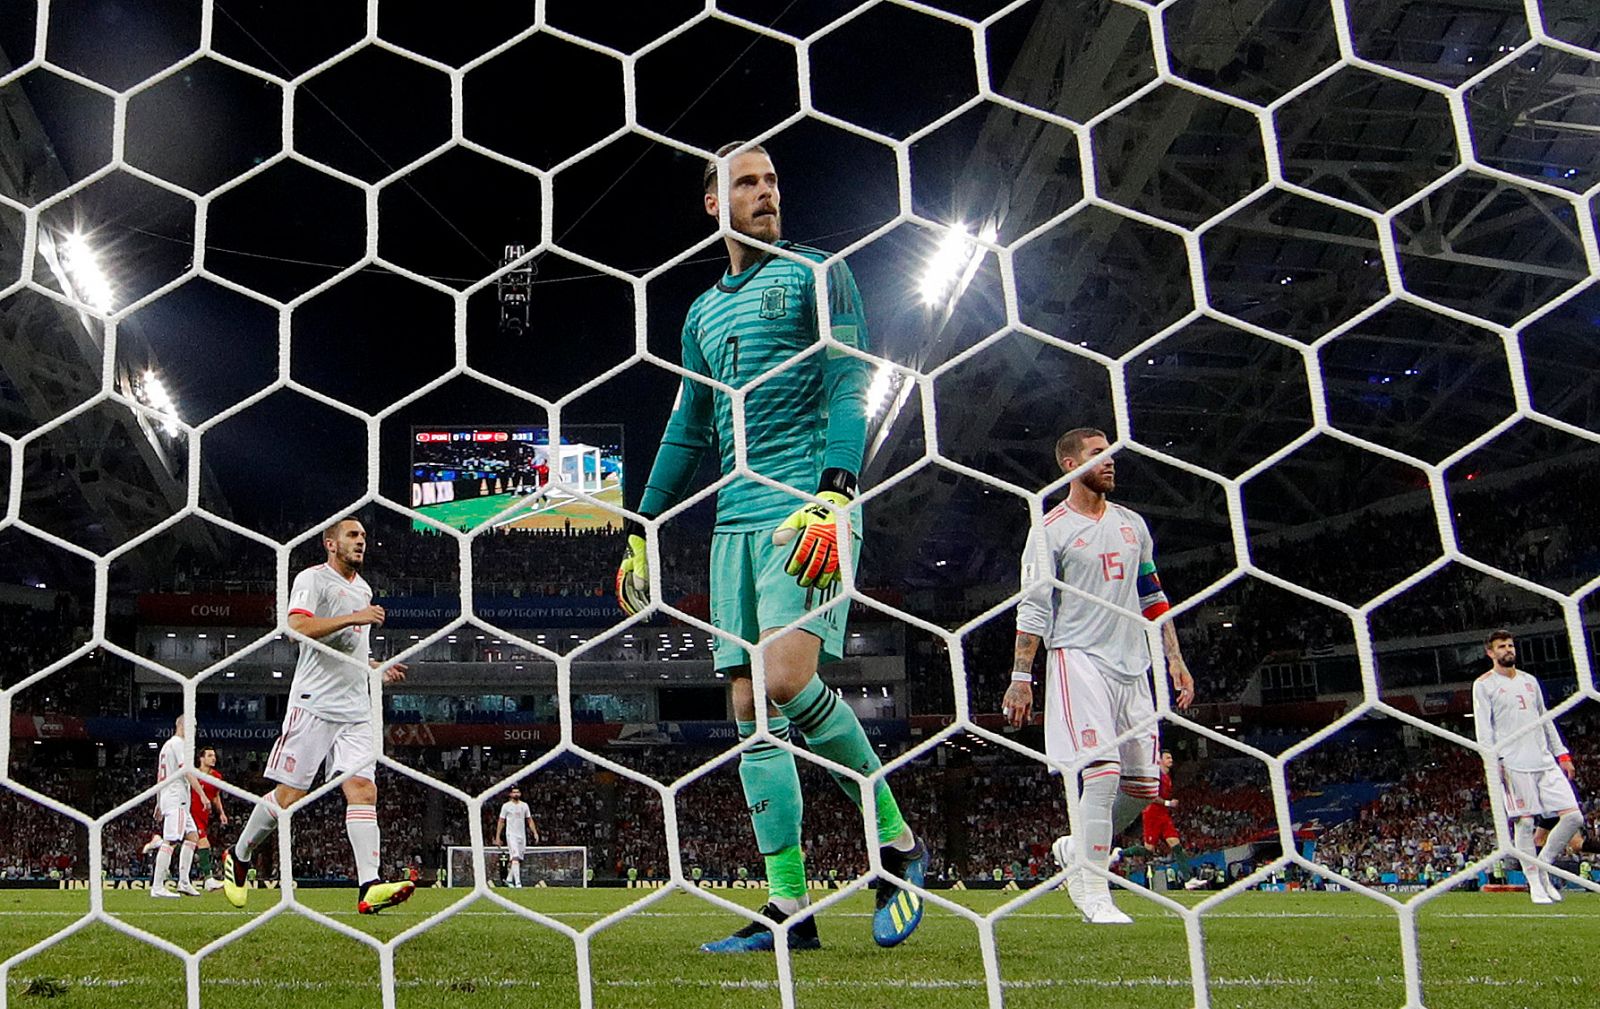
point(1111, 567)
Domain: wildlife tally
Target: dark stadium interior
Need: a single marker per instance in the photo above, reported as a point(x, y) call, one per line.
point(1292, 482)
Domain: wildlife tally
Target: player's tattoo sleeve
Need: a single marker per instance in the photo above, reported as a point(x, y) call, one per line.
point(1169, 642)
point(1022, 655)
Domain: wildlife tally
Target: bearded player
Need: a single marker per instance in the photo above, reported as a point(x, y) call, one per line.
point(1097, 685)
point(329, 719)
point(1535, 765)
point(771, 562)
point(513, 825)
point(202, 805)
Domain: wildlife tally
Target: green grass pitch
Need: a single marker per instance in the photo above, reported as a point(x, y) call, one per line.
point(1265, 951)
point(473, 512)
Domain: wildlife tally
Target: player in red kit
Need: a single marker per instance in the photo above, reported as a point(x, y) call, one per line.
point(1160, 833)
point(201, 805)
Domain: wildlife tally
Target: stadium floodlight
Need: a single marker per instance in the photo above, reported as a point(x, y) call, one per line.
point(88, 279)
point(153, 393)
point(953, 264)
point(881, 390)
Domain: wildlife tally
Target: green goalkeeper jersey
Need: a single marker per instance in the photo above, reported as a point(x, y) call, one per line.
point(807, 418)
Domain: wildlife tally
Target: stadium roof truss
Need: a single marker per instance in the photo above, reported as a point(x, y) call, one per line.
point(1479, 244)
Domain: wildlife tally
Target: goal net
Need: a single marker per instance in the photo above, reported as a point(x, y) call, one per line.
point(1325, 272)
point(553, 865)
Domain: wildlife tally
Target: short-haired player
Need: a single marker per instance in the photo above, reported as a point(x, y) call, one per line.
point(1536, 768)
point(773, 564)
point(172, 813)
point(511, 830)
point(203, 804)
point(328, 723)
point(1097, 668)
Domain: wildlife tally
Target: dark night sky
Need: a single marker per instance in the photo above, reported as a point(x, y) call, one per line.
point(632, 204)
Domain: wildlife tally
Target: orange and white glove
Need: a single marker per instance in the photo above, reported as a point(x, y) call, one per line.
point(814, 531)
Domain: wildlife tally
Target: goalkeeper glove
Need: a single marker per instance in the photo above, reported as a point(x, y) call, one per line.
point(633, 574)
point(814, 531)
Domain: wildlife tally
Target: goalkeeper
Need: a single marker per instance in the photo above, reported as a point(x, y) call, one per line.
point(772, 562)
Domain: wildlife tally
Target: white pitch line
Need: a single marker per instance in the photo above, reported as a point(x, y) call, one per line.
point(762, 984)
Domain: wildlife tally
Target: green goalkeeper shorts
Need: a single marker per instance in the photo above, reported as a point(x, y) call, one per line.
point(750, 592)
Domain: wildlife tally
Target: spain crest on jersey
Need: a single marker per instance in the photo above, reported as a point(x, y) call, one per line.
point(774, 302)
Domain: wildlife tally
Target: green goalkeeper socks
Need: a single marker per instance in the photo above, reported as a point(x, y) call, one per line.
point(771, 790)
point(831, 730)
point(786, 878)
point(202, 860)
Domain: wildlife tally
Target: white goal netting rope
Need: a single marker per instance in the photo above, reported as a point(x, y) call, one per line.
point(921, 384)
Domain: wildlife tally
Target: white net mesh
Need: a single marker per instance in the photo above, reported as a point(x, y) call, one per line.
point(1389, 230)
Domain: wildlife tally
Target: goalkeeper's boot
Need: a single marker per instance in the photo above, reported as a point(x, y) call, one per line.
point(1062, 849)
point(377, 896)
point(757, 937)
point(233, 879)
point(213, 883)
point(898, 911)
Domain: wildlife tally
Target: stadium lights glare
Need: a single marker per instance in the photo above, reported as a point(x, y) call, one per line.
point(153, 393)
point(953, 263)
point(89, 281)
point(881, 390)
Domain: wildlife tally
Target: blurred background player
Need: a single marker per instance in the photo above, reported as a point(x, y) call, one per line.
point(329, 717)
point(771, 563)
point(512, 830)
point(202, 805)
point(1098, 666)
point(1160, 833)
point(173, 812)
point(1535, 766)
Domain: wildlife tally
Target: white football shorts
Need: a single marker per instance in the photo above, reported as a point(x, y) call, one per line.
point(516, 847)
point(177, 823)
point(1084, 710)
point(309, 742)
point(1538, 793)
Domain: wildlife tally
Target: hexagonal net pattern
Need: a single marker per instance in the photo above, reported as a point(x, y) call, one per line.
point(1098, 193)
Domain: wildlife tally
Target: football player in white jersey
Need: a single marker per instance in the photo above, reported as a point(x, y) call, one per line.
point(1535, 766)
point(511, 830)
point(172, 812)
point(329, 719)
point(1097, 667)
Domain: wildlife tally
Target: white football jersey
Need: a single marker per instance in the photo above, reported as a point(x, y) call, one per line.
point(169, 769)
point(1111, 558)
point(335, 690)
point(1502, 705)
point(516, 815)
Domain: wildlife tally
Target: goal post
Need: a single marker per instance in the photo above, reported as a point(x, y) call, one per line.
point(542, 865)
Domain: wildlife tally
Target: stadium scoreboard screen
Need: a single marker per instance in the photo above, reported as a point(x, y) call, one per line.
point(514, 478)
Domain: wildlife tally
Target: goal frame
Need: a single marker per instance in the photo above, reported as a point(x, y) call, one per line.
point(492, 853)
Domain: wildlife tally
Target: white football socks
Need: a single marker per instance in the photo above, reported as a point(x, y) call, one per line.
point(361, 824)
point(263, 821)
point(1098, 796)
point(163, 866)
point(186, 863)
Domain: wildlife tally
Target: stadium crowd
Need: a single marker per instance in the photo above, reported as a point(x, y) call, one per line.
point(979, 814)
